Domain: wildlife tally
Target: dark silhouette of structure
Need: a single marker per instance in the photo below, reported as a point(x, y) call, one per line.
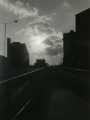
point(40, 63)
point(17, 61)
point(77, 44)
point(82, 25)
point(83, 38)
point(69, 48)
point(17, 54)
point(3, 60)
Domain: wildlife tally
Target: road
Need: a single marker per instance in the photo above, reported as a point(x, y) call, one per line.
point(57, 94)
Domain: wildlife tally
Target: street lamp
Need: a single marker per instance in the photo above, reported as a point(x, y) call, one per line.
point(58, 56)
point(5, 36)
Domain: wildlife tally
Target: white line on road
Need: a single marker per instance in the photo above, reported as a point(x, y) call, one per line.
point(22, 109)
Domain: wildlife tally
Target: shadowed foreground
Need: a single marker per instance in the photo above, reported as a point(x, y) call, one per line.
point(58, 95)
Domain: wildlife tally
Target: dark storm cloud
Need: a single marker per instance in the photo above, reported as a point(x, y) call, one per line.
point(54, 46)
point(54, 51)
point(53, 41)
point(48, 42)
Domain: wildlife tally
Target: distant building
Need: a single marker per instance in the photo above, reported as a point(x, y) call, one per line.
point(18, 54)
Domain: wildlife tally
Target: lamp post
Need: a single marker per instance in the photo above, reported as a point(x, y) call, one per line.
point(58, 54)
point(5, 36)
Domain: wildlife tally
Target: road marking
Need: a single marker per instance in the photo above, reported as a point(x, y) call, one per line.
point(22, 109)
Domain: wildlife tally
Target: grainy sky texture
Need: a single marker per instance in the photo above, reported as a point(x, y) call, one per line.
point(41, 25)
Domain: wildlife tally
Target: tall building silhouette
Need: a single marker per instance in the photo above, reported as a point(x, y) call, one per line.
point(17, 54)
point(83, 25)
point(69, 48)
point(77, 44)
point(83, 38)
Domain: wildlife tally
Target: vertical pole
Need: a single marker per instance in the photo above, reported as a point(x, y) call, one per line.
point(5, 41)
point(58, 54)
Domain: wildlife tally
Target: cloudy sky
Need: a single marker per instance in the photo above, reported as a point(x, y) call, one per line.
point(41, 25)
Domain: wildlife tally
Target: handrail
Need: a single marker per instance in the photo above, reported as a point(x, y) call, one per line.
point(19, 76)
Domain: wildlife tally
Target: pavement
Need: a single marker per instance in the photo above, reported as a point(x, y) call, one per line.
point(58, 94)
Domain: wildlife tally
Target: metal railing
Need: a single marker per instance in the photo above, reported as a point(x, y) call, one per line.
point(19, 76)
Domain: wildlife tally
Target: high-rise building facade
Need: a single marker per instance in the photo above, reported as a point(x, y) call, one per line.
point(83, 38)
point(83, 25)
point(77, 44)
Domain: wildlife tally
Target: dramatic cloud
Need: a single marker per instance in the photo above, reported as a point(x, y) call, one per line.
point(44, 5)
point(38, 36)
point(54, 51)
point(19, 9)
point(23, 9)
point(41, 38)
point(54, 45)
